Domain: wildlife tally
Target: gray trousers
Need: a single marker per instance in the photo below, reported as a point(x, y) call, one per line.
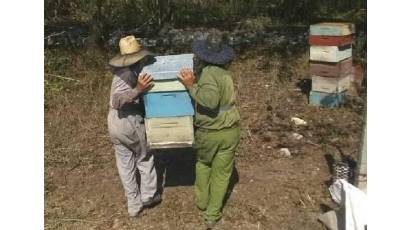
point(129, 164)
point(132, 158)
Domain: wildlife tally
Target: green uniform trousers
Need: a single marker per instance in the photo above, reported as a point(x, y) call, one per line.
point(215, 151)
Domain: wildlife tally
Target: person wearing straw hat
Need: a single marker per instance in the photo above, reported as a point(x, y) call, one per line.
point(217, 131)
point(126, 128)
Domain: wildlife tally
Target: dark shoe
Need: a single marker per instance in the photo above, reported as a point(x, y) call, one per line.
point(210, 224)
point(153, 201)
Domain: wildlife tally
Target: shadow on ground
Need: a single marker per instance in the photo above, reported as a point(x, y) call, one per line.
point(176, 167)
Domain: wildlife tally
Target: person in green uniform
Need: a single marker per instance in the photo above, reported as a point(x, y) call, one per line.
point(217, 132)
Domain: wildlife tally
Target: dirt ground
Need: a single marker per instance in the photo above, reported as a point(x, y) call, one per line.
point(268, 191)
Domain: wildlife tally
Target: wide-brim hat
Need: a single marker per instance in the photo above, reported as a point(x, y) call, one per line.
point(213, 50)
point(130, 53)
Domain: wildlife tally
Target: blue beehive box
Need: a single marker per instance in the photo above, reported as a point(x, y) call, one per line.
point(330, 100)
point(168, 104)
point(168, 97)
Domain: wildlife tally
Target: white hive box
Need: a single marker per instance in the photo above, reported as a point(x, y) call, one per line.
point(332, 29)
point(330, 84)
point(169, 132)
point(167, 86)
point(330, 53)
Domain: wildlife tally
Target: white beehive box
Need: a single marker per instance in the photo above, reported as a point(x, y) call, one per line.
point(330, 53)
point(330, 84)
point(332, 29)
point(169, 132)
point(167, 86)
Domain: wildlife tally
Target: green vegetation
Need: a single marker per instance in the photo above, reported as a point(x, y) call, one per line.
point(151, 15)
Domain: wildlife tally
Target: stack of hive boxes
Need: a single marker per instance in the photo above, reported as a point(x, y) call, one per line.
point(168, 106)
point(330, 62)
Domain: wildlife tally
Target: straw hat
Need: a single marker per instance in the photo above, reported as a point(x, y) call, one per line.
point(130, 52)
point(213, 50)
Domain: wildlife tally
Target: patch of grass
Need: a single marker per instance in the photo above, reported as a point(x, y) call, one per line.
point(76, 99)
point(76, 143)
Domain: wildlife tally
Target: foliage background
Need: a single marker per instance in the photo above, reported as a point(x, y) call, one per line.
point(104, 16)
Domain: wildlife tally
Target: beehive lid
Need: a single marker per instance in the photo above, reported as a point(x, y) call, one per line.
point(332, 29)
point(168, 67)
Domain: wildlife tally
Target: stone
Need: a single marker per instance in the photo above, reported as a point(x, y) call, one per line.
point(298, 121)
point(297, 136)
point(284, 152)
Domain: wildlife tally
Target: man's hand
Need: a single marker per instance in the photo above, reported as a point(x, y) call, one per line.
point(187, 77)
point(144, 82)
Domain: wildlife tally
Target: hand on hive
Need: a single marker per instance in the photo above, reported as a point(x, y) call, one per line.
point(187, 77)
point(144, 82)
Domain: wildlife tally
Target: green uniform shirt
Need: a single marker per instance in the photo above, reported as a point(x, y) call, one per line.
point(214, 99)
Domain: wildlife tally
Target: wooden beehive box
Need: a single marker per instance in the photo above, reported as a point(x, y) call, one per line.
point(332, 29)
point(167, 86)
point(168, 107)
point(168, 104)
point(328, 69)
point(169, 132)
point(327, 99)
point(168, 67)
point(330, 53)
point(330, 84)
point(316, 40)
point(165, 72)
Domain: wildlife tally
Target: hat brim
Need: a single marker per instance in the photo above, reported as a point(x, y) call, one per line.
point(129, 59)
point(200, 48)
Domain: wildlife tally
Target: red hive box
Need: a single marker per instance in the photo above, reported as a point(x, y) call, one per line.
point(326, 69)
point(316, 40)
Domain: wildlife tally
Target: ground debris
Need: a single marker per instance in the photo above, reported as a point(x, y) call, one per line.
point(284, 152)
point(298, 121)
point(297, 136)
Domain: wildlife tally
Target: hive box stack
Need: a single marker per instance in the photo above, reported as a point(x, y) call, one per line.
point(168, 106)
point(330, 62)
